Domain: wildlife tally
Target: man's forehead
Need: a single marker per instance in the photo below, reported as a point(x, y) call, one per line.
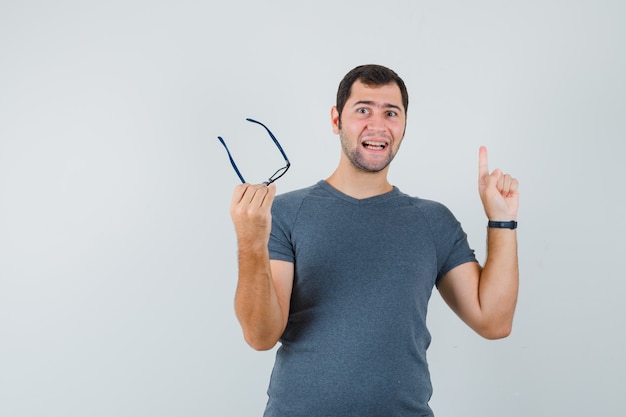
point(387, 95)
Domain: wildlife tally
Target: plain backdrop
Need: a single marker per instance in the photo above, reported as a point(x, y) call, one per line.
point(117, 254)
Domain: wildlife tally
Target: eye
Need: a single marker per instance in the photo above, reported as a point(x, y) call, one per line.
point(362, 110)
point(392, 113)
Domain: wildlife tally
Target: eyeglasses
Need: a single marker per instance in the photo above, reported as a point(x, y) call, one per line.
point(279, 172)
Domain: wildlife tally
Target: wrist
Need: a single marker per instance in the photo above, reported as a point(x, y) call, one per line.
point(497, 224)
point(252, 245)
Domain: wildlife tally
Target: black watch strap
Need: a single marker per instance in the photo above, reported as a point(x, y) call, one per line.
point(502, 225)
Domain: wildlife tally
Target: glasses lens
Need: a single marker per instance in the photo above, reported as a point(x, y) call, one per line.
point(279, 173)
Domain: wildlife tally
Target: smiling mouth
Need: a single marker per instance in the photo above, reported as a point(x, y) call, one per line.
point(374, 145)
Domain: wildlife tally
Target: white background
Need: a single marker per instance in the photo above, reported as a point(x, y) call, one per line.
point(117, 254)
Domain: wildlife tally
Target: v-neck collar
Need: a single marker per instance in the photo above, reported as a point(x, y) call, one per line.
point(356, 201)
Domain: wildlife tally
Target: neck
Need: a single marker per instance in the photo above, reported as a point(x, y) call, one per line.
point(360, 184)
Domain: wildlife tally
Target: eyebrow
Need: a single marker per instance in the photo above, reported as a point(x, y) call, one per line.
point(375, 104)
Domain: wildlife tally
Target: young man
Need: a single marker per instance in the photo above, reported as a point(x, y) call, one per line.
point(341, 272)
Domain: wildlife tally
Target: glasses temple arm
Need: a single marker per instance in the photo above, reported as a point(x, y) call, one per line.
point(280, 148)
point(232, 162)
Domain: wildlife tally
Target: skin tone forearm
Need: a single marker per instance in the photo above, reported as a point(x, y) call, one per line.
point(499, 280)
point(256, 301)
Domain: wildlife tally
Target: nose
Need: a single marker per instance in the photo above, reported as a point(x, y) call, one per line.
point(376, 122)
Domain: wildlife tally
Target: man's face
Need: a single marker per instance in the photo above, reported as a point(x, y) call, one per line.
point(372, 125)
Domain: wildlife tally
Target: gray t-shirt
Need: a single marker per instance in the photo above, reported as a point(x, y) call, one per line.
point(356, 339)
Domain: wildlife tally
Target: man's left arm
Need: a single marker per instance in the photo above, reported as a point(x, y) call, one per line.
point(485, 298)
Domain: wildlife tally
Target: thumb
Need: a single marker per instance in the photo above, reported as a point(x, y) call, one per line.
point(489, 183)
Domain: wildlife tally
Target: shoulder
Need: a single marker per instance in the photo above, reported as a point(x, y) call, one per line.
point(295, 197)
point(315, 192)
point(287, 205)
point(287, 209)
point(432, 210)
point(434, 215)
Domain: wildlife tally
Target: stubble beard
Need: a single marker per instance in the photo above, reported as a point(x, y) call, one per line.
point(360, 161)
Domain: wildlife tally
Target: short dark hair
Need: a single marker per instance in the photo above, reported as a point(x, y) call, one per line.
point(370, 75)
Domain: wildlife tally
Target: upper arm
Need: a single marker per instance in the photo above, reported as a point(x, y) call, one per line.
point(459, 289)
point(282, 278)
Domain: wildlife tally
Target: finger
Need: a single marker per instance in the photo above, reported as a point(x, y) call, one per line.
point(500, 179)
point(494, 180)
point(483, 166)
point(253, 196)
point(269, 196)
point(514, 187)
point(506, 186)
point(244, 194)
point(258, 195)
point(238, 193)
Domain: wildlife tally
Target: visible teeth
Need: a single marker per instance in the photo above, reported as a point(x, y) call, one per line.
point(374, 145)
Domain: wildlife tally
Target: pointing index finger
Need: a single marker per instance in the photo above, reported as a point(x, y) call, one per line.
point(483, 166)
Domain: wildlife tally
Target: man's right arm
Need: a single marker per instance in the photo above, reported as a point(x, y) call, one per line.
point(264, 287)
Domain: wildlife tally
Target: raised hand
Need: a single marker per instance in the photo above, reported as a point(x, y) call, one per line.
point(498, 191)
point(250, 211)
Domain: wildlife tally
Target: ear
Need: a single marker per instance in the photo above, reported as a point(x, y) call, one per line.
point(334, 119)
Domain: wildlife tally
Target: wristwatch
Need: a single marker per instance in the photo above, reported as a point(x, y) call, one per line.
point(502, 225)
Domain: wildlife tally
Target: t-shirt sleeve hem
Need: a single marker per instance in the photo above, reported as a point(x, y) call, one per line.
point(443, 273)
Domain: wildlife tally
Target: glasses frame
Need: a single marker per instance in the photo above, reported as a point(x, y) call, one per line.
point(276, 175)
